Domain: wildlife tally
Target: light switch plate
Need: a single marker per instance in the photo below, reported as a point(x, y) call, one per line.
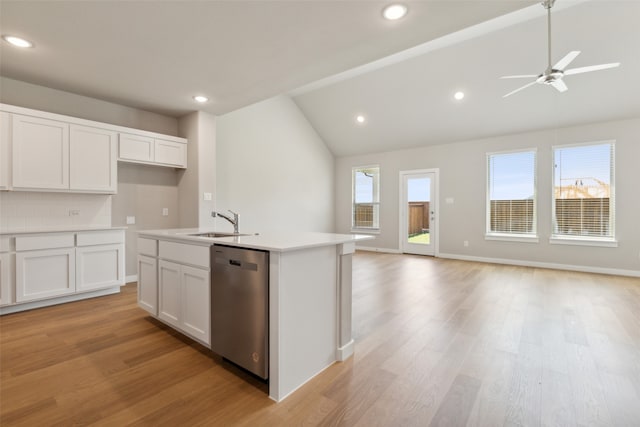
point(165, 211)
point(131, 220)
point(206, 197)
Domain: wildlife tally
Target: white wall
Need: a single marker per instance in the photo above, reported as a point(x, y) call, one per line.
point(273, 169)
point(462, 177)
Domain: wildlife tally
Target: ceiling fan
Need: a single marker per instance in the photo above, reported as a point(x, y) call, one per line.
point(553, 74)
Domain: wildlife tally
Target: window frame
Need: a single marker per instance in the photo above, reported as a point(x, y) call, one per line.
point(531, 237)
point(581, 240)
point(376, 189)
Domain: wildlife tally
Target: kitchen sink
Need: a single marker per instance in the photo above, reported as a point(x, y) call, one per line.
point(217, 234)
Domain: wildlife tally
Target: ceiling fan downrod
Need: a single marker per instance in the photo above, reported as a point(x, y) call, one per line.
point(548, 4)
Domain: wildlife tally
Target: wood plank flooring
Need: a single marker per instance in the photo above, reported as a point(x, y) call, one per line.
point(438, 343)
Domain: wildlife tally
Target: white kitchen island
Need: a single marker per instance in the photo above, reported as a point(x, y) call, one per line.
point(309, 298)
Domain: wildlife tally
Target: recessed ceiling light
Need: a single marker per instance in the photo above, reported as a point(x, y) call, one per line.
point(360, 118)
point(200, 98)
point(458, 95)
point(394, 11)
point(17, 41)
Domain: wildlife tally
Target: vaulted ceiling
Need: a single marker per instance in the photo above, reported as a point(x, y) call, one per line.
point(336, 59)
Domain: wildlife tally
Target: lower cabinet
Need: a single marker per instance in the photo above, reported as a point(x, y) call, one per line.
point(184, 299)
point(6, 290)
point(99, 267)
point(148, 284)
point(45, 273)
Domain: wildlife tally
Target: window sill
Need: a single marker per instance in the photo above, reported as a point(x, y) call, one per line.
point(512, 238)
point(365, 231)
point(583, 241)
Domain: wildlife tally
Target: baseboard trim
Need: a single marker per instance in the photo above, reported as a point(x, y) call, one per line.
point(59, 300)
point(132, 278)
point(550, 265)
point(383, 250)
point(346, 351)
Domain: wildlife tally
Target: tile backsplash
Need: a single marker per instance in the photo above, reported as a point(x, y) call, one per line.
point(24, 211)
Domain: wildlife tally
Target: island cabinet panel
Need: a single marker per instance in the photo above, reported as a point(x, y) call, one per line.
point(169, 278)
point(40, 153)
point(148, 284)
point(196, 294)
point(45, 273)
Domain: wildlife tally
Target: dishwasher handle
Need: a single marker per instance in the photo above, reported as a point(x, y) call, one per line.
point(234, 263)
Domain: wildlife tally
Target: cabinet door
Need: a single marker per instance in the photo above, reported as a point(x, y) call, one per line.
point(196, 303)
point(171, 153)
point(135, 147)
point(93, 159)
point(44, 274)
point(99, 267)
point(148, 284)
point(6, 279)
point(5, 153)
point(169, 293)
point(40, 153)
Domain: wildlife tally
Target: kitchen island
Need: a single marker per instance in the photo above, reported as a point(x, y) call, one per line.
point(309, 295)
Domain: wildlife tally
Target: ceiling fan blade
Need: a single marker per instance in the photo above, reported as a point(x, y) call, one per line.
point(591, 68)
point(560, 85)
point(564, 62)
point(520, 88)
point(521, 76)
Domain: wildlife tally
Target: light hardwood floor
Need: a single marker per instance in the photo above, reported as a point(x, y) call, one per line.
point(438, 342)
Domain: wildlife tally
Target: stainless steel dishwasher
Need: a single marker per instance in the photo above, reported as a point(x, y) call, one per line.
point(240, 307)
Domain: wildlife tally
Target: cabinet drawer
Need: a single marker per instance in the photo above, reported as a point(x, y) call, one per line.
point(185, 254)
point(147, 246)
point(49, 241)
point(106, 237)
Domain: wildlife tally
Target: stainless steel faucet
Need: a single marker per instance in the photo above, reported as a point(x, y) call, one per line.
point(233, 221)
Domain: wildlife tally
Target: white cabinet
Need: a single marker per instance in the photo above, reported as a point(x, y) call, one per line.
point(196, 302)
point(144, 149)
point(93, 159)
point(99, 267)
point(45, 274)
point(40, 153)
point(5, 151)
point(170, 153)
point(184, 299)
point(183, 291)
point(6, 279)
point(136, 147)
point(169, 292)
point(148, 284)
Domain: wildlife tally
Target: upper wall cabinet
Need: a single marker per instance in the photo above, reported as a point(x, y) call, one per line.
point(5, 153)
point(155, 151)
point(42, 151)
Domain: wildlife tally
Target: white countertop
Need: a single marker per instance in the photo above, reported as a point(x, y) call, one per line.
point(273, 241)
point(66, 229)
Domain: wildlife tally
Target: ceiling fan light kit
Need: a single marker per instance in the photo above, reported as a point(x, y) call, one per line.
point(553, 74)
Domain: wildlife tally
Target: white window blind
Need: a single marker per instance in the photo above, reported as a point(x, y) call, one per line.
point(366, 198)
point(584, 196)
point(511, 193)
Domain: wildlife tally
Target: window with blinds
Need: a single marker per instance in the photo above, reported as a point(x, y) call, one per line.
point(583, 193)
point(365, 213)
point(511, 194)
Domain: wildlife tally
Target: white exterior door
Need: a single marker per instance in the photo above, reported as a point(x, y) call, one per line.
point(40, 153)
point(93, 159)
point(148, 284)
point(418, 212)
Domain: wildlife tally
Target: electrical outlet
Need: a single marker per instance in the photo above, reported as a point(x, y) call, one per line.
point(74, 212)
point(165, 211)
point(131, 220)
point(207, 197)
point(466, 243)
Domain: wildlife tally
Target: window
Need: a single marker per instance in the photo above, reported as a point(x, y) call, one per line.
point(511, 195)
point(583, 192)
point(366, 198)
